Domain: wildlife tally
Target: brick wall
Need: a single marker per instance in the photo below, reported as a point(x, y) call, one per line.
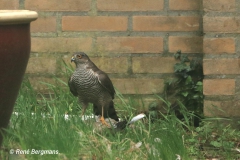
point(221, 47)
point(134, 41)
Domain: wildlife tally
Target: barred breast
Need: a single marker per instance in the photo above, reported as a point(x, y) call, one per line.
point(88, 87)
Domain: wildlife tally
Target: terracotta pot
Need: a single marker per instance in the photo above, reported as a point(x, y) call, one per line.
point(15, 46)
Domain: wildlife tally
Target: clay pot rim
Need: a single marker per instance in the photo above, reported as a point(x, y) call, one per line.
point(17, 16)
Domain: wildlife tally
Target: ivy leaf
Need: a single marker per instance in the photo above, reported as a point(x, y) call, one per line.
point(185, 94)
point(189, 80)
point(195, 96)
point(199, 83)
point(180, 67)
point(184, 58)
point(199, 86)
point(177, 55)
point(195, 62)
point(188, 86)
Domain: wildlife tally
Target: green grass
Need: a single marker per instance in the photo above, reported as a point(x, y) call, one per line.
point(163, 138)
point(75, 139)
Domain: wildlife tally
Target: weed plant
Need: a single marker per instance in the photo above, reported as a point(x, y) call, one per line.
point(187, 84)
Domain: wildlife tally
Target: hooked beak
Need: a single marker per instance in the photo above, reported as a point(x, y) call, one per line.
point(72, 59)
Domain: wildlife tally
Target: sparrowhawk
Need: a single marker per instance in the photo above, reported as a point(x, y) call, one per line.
point(91, 85)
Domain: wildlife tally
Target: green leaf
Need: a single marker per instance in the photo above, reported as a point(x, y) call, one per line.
point(195, 96)
point(228, 145)
point(189, 80)
point(199, 83)
point(198, 88)
point(185, 94)
point(216, 144)
point(184, 58)
point(177, 55)
point(153, 114)
point(180, 67)
point(192, 140)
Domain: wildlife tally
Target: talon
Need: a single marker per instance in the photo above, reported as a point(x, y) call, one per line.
point(104, 122)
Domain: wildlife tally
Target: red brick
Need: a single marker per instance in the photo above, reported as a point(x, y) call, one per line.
point(61, 44)
point(185, 44)
point(213, 109)
point(162, 23)
point(95, 23)
point(139, 85)
point(219, 45)
point(184, 4)
point(9, 4)
point(219, 5)
point(44, 24)
point(41, 65)
point(221, 66)
point(221, 24)
point(56, 5)
point(221, 108)
point(219, 86)
point(112, 64)
point(129, 5)
point(153, 64)
point(131, 44)
point(106, 64)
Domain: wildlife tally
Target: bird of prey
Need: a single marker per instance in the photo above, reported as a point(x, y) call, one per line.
point(91, 85)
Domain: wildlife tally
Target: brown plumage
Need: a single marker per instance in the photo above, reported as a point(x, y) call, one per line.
point(91, 85)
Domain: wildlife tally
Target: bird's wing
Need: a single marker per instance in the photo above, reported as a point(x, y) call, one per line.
point(72, 87)
point(103, 78)
point(105, 81)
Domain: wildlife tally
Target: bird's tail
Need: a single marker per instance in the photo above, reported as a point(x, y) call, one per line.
point(111, 113)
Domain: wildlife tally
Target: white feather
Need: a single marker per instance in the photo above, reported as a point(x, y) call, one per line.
point(136, 118)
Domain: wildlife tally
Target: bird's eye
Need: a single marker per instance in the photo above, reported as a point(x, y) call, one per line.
point(79, 56)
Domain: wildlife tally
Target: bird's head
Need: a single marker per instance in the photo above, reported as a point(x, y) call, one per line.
point(79, 58)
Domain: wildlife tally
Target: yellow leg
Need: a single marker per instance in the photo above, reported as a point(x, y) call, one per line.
point(103, 120)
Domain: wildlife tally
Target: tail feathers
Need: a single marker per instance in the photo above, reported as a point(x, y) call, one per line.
point(111, 113)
